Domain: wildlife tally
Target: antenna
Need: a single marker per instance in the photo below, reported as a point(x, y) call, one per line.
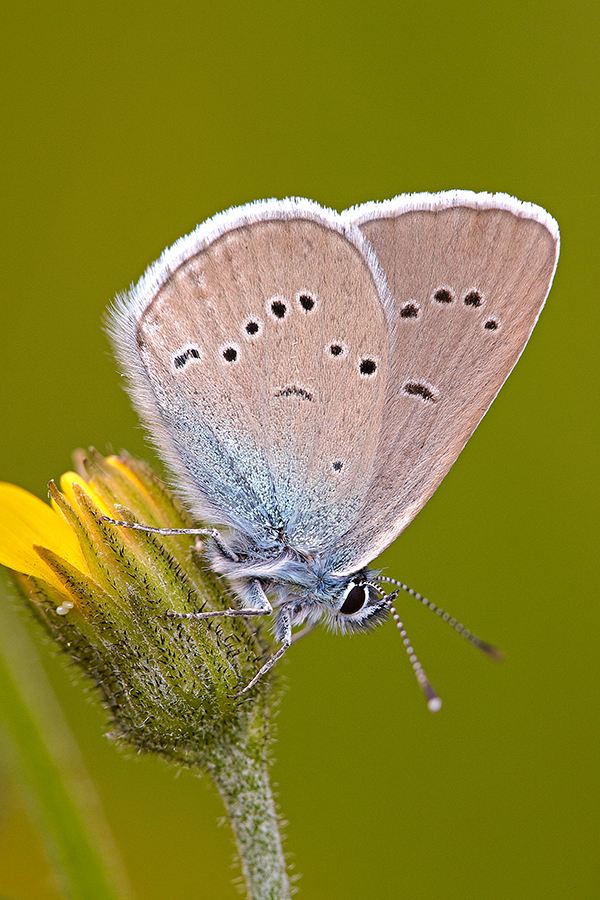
point(454, 623)
point(434, 702)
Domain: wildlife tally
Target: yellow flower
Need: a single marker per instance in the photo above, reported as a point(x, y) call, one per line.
point(36, 537)
point(108, 594)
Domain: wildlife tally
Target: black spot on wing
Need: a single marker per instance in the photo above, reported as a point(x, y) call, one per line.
point(293, 391)
point(184, 356)
point(417, 389)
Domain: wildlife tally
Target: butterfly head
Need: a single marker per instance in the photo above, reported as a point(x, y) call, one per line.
point(356, 605)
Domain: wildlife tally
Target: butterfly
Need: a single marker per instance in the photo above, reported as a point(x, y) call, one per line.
point(310, 377)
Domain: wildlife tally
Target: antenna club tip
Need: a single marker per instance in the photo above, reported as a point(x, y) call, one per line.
point(434, 704)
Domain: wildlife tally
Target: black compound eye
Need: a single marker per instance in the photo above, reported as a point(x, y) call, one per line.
point(355, 600)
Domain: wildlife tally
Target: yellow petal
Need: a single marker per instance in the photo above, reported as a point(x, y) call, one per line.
point(66, 485)
point(26, 520)
point(124, 470)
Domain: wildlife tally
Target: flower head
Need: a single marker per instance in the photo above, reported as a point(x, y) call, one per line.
point(104, 592)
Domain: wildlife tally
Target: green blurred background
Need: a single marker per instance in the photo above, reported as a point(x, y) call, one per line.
point(126, 124)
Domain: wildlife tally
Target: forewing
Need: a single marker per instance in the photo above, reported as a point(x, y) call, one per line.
point(259, 362)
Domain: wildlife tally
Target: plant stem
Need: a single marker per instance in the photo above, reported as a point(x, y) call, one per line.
point(46, 761)
point(242, 779)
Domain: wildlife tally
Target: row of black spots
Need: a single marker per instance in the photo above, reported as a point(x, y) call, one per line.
point(185, 355)
point(230, 353)
point(278, 307)
point(472, 299)
point(367, 366)
point(410, 310)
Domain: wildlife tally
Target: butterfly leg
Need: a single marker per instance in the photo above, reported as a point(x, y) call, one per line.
point(259, 605)
point(284, 634)
point(205, 532)
point(257, 600)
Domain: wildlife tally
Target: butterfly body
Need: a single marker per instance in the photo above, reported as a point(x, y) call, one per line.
point(301, 589)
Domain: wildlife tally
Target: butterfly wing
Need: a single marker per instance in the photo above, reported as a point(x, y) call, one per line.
point(468, 276)
point(256, 350)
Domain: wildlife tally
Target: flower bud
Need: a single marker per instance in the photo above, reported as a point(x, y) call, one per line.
point(104, 593)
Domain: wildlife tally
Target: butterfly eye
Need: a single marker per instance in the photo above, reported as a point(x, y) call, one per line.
point(355, 600)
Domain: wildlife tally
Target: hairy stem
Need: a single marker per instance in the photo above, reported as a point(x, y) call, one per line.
point(242, 779)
